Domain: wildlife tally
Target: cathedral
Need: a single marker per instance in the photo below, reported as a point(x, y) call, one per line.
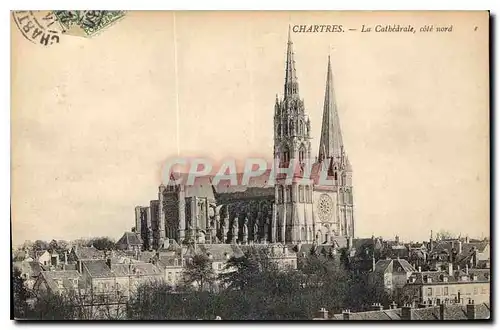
point(309, 210)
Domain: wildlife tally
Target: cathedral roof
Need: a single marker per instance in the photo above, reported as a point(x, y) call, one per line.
point(225, 186)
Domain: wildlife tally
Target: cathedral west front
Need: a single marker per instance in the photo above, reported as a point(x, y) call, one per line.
point(306, 210)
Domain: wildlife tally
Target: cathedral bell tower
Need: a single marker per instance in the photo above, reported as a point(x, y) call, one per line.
point(292, 219)
point(332, 151)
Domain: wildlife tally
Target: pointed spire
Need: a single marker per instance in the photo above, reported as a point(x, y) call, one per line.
point(331, 144)
point(291, 82)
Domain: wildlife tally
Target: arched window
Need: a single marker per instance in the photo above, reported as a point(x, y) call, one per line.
point(279, 128)
point(301, 194)
point(308, 197)
point(302, 154)
point(280, 194)
point(286, 156)
point(288, 194)
point(303, 234)
point(285, 127)
point(301, 128)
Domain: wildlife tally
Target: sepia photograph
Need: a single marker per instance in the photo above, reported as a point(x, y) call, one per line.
point(250, 165)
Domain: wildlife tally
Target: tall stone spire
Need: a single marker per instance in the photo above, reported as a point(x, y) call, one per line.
point(331, 144)
point(291, 81)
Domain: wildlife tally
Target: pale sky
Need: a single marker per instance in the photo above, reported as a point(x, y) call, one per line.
point(94, 119)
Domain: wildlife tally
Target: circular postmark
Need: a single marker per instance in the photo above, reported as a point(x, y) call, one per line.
point(39, 27)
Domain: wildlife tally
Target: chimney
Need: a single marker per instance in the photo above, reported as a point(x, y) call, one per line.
point(471, 310)
point(346, 315)
point(377, 307)
point(407, 313)
point(65, 257)
point(459, 247)
point(419, 269)
point(393, 305)
point(467, 239)
point(442, 311)
point(349, 243)
point(431, 242)
point(467, 269)
point(323, 314)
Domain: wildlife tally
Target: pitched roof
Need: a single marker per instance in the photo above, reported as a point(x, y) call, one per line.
point(38, 254)
point(384, 315)
point(382, 266)
point(483, 275)
point(60, 266)
point(88, 252)
point(169, 261)
point(97, 268)
point(201, 187)
point(443, 246)
point(451, 312)
point(172, 247)
point(393, 265)
point(135, 269)
point(129, 239)
point(32, 268)
point(220, 251)
point(66, 276)
point(146, 256)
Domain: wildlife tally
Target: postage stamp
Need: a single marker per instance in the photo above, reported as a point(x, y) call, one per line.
point(86, 23)
point(39, 27)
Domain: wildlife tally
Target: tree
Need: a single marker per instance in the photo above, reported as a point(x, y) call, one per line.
point(19, 294)
point(53, 245)
point(199, 271)
point(362, 292)
point(76, 304)
point(102, 243)
point(241, 272)
point(40, 245)
point(27, 245)
point(154, 301)
point(445, 234)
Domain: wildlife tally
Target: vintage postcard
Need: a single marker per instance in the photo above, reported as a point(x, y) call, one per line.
point(171, 165)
